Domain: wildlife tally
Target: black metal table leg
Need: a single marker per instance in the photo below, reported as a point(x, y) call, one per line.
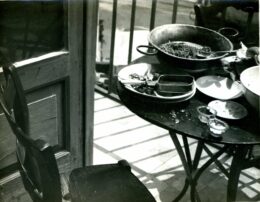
point(198, 155)
point(182, 155)
point(218, 164)
point(191, 167)
point(235, 169)
point(193, 173)
point(187, 163)
point(196, 160)
point(187, 151)
point(183, 191)
point(199, 171)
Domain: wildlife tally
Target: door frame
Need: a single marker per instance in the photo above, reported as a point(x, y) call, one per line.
point(89, 63)
point(80, 61)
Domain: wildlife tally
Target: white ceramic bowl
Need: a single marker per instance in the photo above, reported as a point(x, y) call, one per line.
point(250, 78)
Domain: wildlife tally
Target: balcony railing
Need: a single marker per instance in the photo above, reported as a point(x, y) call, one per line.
point(124, 24)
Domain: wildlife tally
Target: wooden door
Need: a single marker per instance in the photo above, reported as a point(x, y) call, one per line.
point(55, 59)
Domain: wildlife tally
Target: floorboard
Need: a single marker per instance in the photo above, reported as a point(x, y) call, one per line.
point(120, 134)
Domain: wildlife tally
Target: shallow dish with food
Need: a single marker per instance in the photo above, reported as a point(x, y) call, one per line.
point(189, 37)
point(185, 40)
point(138, 79)
point(147, 91)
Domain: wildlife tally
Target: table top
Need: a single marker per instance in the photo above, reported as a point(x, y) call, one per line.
point(182, 118)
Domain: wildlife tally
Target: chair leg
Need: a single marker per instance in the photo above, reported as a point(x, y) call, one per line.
point(64, 187)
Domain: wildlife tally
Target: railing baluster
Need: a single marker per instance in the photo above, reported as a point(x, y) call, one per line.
point(131, 34)
point(112, 45)
point(174, 11)
point(153, 12)
point(132, 25)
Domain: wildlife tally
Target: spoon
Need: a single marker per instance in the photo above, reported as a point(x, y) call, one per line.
point(208, 53)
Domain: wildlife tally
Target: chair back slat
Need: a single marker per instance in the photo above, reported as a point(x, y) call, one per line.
point(36, 159)
point(14, 97)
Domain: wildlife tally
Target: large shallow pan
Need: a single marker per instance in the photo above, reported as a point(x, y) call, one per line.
point(186, 33)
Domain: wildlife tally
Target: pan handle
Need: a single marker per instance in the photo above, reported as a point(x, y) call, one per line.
point(150, 50)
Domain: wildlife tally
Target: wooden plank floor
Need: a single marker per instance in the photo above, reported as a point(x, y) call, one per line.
point(119, 134)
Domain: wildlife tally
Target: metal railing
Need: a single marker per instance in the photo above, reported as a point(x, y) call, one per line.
point(108, 89)
point(177, 12)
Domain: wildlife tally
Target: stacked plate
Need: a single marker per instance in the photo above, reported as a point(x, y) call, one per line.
point(224, 90)
point(141, 80)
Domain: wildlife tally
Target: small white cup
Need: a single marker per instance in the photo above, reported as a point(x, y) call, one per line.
point(217, 127)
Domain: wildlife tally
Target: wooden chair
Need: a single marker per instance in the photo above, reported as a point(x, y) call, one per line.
point(38, 166)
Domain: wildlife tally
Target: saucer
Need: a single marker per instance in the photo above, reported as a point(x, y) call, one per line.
point(228, 109)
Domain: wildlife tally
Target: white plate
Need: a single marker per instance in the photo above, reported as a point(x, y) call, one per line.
point(219, 87)
point(228, 109)
point(143, 69)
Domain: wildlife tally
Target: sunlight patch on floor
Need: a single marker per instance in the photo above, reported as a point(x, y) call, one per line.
point(120, 134)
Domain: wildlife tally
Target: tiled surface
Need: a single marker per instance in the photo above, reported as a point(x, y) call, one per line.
point(119, 134)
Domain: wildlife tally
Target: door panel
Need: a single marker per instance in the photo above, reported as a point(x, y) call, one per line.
point(54, 84)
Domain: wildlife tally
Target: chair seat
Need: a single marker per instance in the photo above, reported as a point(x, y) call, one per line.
point(110, 182)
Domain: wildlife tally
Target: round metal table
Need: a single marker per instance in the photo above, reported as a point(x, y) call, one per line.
point(238, 140)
